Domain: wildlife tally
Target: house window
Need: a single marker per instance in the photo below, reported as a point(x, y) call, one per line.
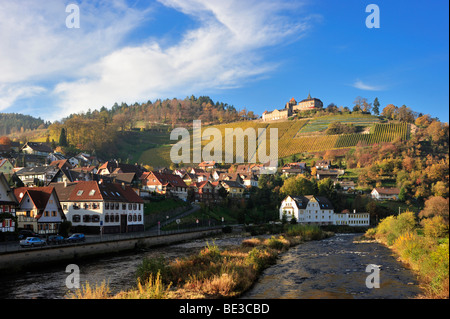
point(117, 218)
point(106, 205)
point(53, 213)
point(130, 218)
point(46, 214)
point(95, 218)
point(76, 218)
point(106, 218)
point(87, 218)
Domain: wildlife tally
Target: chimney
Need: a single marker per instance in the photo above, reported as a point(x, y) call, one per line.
point(65, 183)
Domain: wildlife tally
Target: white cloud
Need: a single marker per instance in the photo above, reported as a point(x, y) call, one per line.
point(10, 94)
point(221, 53)
point(366, 87)
point(90, 67)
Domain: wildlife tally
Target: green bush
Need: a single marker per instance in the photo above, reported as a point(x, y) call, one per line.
point(150, 267)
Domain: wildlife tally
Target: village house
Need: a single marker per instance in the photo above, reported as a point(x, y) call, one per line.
point(8, 206)
point(93, 206)
point(37, 176)
point(346, 185)
point(332, 174)
point(323, 164)
point(318, 210)
point(204, 191)
point(207, 165)
point(382, 193)
point(234, 189)
point(113, 167)
point(39, 210)
point(249, 180)
point(40, 149)
point(293, 169)
point(165, 184)
point(6, 167)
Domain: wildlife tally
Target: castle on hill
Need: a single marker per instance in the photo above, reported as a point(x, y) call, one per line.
point(291, 107)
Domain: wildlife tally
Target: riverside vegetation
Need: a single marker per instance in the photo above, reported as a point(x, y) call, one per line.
point(423, 245)
point(212, 273)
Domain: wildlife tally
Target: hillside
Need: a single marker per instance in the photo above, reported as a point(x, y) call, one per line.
point(13, 123)
point(295, 136)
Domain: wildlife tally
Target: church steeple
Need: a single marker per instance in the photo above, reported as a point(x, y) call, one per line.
point(309, 96)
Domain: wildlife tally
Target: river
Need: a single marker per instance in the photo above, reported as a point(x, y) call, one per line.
point(335, 268)
point(331, 268)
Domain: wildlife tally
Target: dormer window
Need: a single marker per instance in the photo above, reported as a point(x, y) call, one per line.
point(92, 192)
point(80, 192)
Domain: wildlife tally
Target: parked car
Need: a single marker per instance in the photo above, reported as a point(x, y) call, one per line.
point(27, 233)
point(55, 239)
point(75, 238)
point(32, 242)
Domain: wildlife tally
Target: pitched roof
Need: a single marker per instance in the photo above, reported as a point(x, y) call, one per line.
point(39, 147)
point(93, 191)
point(302, 201)
point(39, 195)
point(172, 179)
point(387, 191)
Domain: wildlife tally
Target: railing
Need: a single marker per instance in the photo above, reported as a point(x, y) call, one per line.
point(6, 247)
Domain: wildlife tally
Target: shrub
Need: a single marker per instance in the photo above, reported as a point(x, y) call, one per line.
point(151, 267)
point(211, 252)
point(260, 258)
point(434, 227)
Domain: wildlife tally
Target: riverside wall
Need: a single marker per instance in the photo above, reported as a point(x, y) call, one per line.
point(30, 258)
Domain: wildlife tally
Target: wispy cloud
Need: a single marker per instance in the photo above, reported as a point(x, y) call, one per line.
point(358, 84)
point(92, 66)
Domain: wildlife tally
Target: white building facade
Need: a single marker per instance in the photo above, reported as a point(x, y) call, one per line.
point(319, 211)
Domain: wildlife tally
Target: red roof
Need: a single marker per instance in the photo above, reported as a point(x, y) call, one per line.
point(93, 191)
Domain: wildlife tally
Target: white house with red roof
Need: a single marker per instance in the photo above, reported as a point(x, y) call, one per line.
point(93, 206)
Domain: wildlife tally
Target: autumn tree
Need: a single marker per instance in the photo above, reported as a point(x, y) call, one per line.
point(436, 206)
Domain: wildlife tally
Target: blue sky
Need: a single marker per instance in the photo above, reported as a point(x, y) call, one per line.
point(250, 54)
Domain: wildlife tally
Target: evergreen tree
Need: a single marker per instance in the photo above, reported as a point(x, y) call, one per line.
point(63, 137)
point(376, 107)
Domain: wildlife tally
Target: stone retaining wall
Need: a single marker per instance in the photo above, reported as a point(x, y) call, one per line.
point(34, 257)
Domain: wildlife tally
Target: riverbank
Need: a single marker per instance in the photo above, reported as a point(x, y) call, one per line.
point(212, 273)
point(423, 246)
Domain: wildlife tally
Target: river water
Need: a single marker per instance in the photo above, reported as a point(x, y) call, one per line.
point(331, 268)
point(335, 268)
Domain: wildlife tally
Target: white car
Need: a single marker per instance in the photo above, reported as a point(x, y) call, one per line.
point(32, 242)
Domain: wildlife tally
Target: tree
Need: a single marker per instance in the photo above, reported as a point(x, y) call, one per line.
point(63, 137)
point(5, 140)
point(376, 107)
point(436, 206)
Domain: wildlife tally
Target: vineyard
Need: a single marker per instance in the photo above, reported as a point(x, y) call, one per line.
point(291, 138)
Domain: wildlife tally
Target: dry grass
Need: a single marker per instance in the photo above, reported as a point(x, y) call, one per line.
point(211, 273)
